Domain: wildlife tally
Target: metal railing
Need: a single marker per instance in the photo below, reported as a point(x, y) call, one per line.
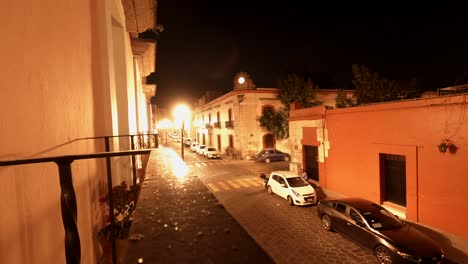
point(67, 194)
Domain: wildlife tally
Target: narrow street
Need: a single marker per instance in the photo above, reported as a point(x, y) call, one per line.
point(289, 234)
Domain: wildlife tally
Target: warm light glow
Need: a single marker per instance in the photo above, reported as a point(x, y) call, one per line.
point(163, 124)
point(182, 114)
point(241, 80)
point(179, 168)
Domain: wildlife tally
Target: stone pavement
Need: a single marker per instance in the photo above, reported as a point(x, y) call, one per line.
point(179, 221)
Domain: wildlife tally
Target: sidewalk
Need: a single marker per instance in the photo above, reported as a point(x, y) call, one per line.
point(177, 220)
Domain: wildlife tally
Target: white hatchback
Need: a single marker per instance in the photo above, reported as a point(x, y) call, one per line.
point(211, 153)
point(291, 187)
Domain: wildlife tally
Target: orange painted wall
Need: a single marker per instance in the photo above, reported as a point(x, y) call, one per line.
point(435, 182)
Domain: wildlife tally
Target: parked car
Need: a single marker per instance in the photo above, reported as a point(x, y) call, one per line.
point(377, 229)
point(187, 142)
point(292, 187)
point(211, 153)
point(201, 148)
point(194, 146)
point(270, 154)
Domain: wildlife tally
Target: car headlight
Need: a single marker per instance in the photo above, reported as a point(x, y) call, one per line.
point(296, 193)
point(409, 256)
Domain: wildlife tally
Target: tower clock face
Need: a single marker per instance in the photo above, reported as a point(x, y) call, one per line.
point(241, 80)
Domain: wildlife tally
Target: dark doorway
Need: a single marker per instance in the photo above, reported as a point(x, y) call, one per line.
point(219, 142)
point(269, 141)
point(311, 162)
point(393, 178)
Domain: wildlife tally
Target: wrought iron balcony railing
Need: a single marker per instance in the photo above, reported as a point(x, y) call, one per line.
point(229, 124)
point(217, 124)
point(67, 195)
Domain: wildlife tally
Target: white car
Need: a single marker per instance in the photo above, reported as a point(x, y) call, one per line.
point(291, 187)
point(200, 149)
point(211, 153)
point(194, 146)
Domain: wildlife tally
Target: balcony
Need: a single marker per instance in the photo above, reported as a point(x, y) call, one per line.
point(208, 126)
point(141, 146)
point(217, 124)
point(229, 124)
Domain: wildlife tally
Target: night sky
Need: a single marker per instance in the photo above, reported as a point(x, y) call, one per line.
point(205, 43)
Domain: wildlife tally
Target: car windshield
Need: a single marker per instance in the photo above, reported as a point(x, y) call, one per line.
point(211, 149)
point(382, 219)
point(296, 182)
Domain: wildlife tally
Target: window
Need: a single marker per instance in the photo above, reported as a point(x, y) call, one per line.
point(209, 118)
point(339, 207)
point(229, 114)
point(355, 215)
point(218, 117)
point(267, 108)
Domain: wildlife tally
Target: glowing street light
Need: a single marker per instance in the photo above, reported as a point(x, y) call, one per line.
point(182, 116)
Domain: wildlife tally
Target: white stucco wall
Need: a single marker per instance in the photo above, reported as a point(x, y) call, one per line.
point(63, 63)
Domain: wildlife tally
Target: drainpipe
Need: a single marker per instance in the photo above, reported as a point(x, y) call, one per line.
point(417, 184)
point(324, 119)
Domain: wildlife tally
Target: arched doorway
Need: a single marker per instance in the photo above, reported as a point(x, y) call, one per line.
point(269, 141)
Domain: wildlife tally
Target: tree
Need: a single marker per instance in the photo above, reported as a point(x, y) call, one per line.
point(342, 100)
point(372, 88)
point(276, 122)
point(295, 89)
point(292, 89)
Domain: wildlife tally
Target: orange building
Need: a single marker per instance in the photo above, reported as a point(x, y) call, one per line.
point(411, 156)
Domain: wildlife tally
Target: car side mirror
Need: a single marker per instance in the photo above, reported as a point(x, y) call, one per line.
point(283, 185)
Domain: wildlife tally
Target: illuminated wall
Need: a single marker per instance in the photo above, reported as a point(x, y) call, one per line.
point(67, 73)
point(355, 138)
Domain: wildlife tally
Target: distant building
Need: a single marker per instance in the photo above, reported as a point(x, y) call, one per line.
point(231, 124)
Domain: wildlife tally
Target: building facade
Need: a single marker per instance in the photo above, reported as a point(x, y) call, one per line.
point(407, 155)
point(231, 124)
point(71, 70)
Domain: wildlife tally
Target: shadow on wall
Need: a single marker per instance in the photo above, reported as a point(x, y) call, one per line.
point(452, 253)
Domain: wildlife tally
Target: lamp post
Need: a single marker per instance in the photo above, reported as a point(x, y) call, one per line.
point(182, 113)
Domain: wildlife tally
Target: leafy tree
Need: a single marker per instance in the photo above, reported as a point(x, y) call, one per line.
point(276, 122)
point(342, 100)
point(371, 87)
point(292, 89)
point(295, 89)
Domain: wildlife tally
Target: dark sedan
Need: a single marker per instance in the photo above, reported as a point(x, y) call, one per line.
point(270, 154)
point(374, 227)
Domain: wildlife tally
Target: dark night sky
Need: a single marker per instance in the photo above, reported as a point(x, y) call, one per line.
point(205, 43)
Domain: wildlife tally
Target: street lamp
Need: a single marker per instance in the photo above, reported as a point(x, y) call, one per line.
point(182, 114)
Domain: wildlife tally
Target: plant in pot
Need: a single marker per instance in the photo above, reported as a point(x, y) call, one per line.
point(124, 201)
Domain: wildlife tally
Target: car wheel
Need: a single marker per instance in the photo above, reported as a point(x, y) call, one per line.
point(383, 255)
point(326, 222)
point(290, 201)
point(267, 160)
point(270, 191)
point(286, 158)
